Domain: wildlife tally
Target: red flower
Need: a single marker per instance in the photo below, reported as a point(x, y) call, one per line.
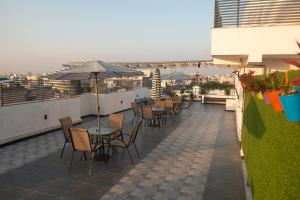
point(292, 62)
point(296, 81)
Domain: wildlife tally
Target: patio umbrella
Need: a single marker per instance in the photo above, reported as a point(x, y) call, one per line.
point(87, 71)
point(94, 70)
point(156, 92)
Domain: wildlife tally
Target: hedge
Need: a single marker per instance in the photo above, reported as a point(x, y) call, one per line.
point(271, 147)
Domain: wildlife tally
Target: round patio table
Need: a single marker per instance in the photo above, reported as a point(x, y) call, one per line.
point(104, 133)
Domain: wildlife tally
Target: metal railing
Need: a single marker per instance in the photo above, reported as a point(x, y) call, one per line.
point(23, 91)
point(220, 92)
point(255, 13)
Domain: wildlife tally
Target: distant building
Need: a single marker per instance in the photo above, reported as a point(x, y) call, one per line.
point(198, 79)
point(32, 77)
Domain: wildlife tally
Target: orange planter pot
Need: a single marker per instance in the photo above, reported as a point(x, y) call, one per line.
point(275, 101)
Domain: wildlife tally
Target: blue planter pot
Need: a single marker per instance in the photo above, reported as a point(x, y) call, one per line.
point(291, 107)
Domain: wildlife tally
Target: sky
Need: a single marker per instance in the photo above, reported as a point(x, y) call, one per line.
point(40, 35)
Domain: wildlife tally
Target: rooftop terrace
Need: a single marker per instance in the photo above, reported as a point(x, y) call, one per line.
point(193, 157)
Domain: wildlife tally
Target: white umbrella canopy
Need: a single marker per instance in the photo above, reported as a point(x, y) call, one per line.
point(94, 70)
point(86, 71)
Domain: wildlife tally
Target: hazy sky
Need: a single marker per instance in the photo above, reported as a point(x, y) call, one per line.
point(40, 35)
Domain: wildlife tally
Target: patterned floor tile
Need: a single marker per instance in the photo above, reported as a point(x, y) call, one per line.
point(176, 169)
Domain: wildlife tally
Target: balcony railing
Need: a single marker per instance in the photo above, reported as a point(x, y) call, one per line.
point(256, 13)
point(23, 91)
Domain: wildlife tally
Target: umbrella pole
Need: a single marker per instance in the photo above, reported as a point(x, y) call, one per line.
point(98, 107)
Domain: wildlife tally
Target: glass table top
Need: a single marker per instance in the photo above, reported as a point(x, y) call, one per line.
point(103, 131)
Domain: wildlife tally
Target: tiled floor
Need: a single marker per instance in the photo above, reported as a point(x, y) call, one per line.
point(186, 159)
point(176, 169)
point(18, 154)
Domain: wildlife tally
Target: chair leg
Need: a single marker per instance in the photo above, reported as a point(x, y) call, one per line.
point(70, 166)
point(129, 156)
point(121, 135)
point(63, 149)
point(188, 112)
point(92, 162)
point(108, 150)
point(137, 151)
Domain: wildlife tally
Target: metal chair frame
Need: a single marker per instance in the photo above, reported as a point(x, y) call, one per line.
point(84, 146)
point(126, 144)
point(66, 124)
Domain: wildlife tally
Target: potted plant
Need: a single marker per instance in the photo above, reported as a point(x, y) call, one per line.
point(259, 86)
point(290, 98)
point(203, 91)
point(291, 101)
point(227, 91)
point(246, 79)
point(273, 95)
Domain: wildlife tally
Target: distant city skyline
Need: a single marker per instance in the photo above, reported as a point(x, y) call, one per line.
point(39, 36)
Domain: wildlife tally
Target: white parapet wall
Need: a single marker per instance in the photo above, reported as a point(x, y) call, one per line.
point(87, 104)
point(230, 105)
point(239, 110)
point(23, 120)
point(115, 102)
point(111, 102)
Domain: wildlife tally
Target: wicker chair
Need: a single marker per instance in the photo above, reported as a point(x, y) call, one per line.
point(161, 105)
point(116, 121)
point(177, 99)
point(66, 124)
point(136, 112)
point(147, 115)
point(187, 107)
point(169, 105)
point(125, 144)
point(81, 143)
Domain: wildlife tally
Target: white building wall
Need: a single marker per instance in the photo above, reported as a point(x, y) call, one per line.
point(255, 42)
